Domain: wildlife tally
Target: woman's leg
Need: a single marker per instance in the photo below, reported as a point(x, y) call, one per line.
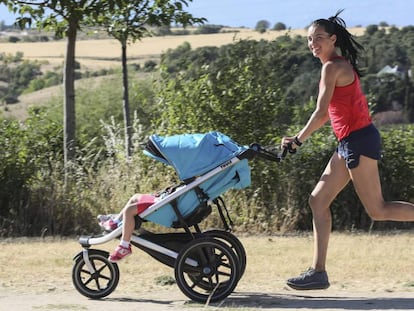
point(366, 180)
point(333, 180)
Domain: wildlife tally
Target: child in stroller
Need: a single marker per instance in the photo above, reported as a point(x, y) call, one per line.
point(136, 205)
point(140, 202)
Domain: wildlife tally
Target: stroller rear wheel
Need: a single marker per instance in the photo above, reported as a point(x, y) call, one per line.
point(207, 269)
point(234, 244)
point(102, 281)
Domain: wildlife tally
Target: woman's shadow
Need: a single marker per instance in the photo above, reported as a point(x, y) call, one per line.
point(291, 301)
point(296, 302)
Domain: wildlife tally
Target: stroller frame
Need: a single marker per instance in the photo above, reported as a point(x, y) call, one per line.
point(207, 265)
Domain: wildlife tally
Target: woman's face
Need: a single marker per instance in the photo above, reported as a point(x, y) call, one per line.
point(321, 43)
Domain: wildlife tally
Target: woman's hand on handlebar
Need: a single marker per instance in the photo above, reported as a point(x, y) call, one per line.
point(288, 143)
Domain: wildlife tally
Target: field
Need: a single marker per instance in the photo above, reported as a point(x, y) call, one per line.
point(105, 53)
point(366, 272)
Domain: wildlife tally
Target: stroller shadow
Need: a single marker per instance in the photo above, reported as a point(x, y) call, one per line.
point(288, 301)
point(293, 301)
point(140, 300)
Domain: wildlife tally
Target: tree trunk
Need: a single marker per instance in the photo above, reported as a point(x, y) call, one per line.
point(127, 119)
point(69, 117)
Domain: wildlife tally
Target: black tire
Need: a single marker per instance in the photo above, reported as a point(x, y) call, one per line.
point(100, 283)
point(234, 244)
point(216, 274)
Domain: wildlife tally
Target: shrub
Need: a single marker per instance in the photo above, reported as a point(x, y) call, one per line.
point(208, 29)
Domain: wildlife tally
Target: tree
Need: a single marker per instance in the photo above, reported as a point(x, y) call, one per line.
point(65, 17)
point(262, 26)
point(371, 29)
point(128, 21)
point(236, 90)
point(279, 26)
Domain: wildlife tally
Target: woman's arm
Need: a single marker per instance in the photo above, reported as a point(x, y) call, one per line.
point(320, 115)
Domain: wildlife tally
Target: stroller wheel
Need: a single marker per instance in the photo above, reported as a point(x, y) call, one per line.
point(102, 281)
point(206, 269)
point(234, 244)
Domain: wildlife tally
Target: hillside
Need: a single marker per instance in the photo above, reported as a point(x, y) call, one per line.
point(105, 53)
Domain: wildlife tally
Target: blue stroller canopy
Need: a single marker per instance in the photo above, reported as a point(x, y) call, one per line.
point(193, 154)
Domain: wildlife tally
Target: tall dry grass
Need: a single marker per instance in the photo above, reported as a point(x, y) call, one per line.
point(356, 262)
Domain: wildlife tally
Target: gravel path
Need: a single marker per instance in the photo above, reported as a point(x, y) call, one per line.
point(173, 299)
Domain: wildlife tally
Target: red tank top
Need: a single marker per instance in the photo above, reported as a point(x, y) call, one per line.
point(348, 109)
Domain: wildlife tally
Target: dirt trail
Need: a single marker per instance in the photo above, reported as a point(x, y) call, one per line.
point(173, 299)
point(29, 280)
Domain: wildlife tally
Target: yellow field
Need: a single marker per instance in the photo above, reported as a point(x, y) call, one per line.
point(106, 53)
point(96, 54)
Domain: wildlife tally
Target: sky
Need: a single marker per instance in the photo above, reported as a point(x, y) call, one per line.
point(293, 13)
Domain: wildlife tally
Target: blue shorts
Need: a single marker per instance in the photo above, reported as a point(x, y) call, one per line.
point(365, 141)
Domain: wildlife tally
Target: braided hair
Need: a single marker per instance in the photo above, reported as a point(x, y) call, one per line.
point(345, 41)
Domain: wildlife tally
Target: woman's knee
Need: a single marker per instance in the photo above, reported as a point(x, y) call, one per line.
point(316, 203)
point(312, 201)
point(377, 213)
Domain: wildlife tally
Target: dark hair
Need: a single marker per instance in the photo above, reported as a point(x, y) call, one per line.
point(349, 47)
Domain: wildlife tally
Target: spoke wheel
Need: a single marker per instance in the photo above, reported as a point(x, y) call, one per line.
point(207, 269)
point(100, 283)
point(234, 244)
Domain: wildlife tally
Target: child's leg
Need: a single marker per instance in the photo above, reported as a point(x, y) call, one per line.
point(132, 202)
point(111, 221)
point(128, 213)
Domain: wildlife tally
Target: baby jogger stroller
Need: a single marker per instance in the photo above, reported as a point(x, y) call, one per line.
point(207, 264)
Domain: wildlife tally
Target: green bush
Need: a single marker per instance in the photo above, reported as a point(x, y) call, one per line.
point(253, 91)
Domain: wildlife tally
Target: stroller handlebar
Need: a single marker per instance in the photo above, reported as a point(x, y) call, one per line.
point(267, 153)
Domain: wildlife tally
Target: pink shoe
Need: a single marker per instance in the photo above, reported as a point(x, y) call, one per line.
point(120, 253)
point(109, 225)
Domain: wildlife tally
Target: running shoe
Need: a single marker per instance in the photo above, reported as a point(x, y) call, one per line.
point(120, 253)
point(103, 218)
point(107, 222)
point(310, 279)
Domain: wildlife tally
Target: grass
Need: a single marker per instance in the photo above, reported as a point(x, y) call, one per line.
point(356, 262)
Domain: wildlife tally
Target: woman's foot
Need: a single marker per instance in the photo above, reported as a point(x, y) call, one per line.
point(310, 279)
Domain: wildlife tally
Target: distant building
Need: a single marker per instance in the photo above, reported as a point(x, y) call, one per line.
point(396, 70)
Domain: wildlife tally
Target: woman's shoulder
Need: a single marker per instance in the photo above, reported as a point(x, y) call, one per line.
point(332, 67)
point(341, 69)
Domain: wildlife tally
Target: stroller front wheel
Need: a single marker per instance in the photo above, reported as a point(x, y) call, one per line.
point(101, 281)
